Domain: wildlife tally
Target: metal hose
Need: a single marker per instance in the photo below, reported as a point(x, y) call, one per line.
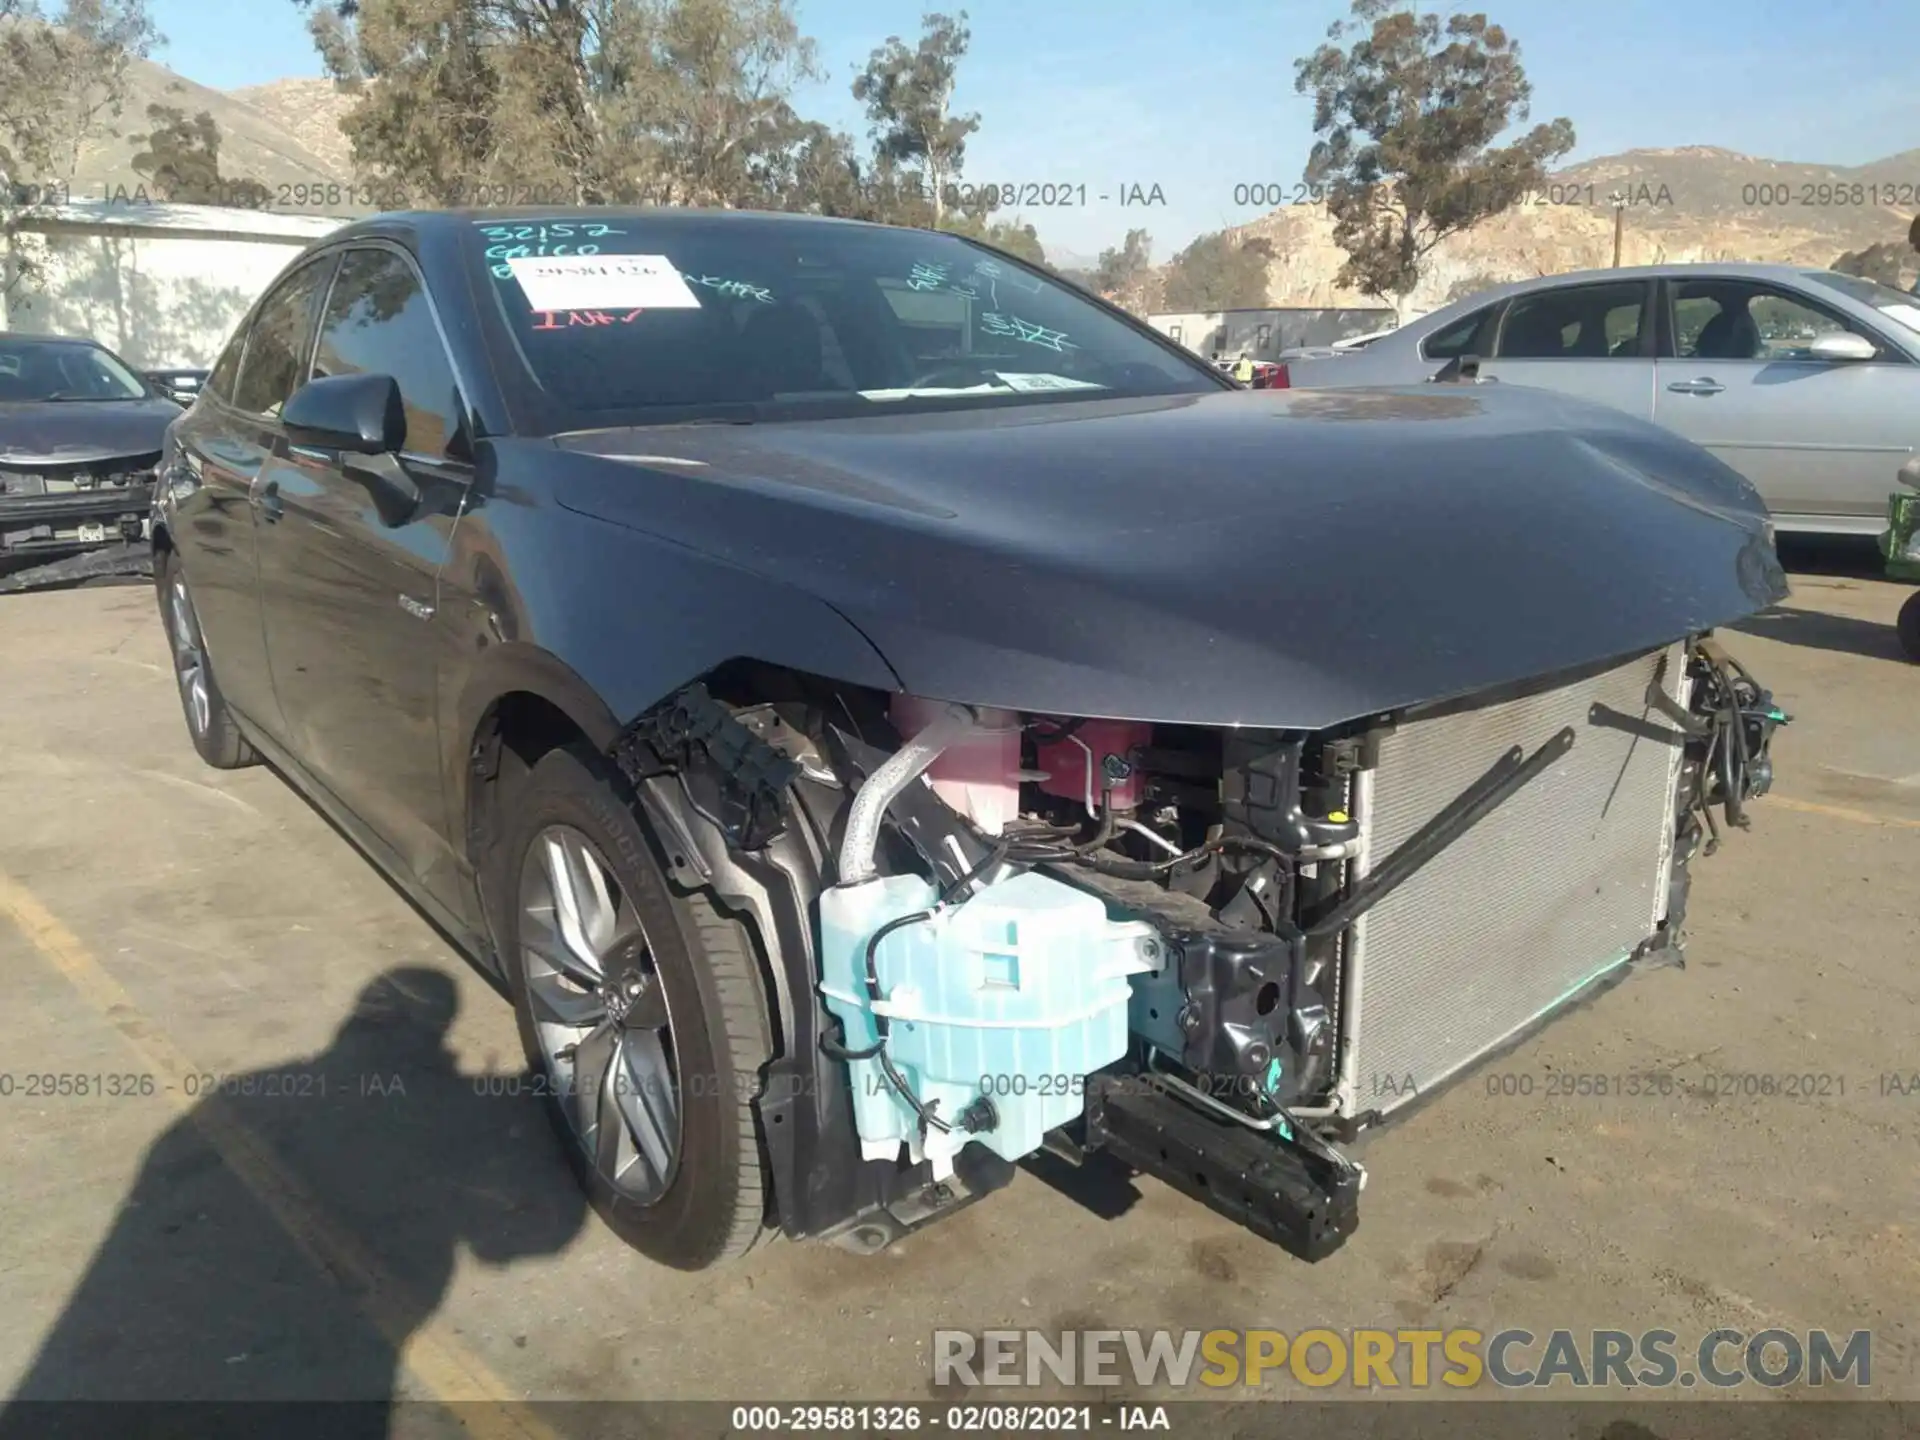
point(899, 770)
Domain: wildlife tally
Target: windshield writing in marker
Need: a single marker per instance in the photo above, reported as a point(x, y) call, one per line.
point(737, 289)
point(550, 230)
point(542, 237)
point(925, 276)
point(562, 319)
point(1027, 333)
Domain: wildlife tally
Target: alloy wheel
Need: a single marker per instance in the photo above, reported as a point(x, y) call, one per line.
point(600, 1013)
point(189, 660)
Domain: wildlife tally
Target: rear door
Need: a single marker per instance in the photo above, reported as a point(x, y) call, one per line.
point(1402, 357)
point(1820, 440)
point(1591, 340)
point(1470, 335)
point(226, 447)
point(350, 593)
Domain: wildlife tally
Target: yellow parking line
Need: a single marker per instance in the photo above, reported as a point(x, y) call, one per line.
point(446, 1370)
point(1840, 812)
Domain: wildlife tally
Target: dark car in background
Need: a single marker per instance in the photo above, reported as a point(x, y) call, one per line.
point(80, 434)
point(878, 711)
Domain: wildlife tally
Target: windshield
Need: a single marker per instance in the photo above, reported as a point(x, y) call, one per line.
point(636, 320)
point(1896, 305)
point(32, 371)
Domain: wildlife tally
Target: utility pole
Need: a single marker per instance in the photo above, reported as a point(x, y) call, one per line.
point(1619, 202)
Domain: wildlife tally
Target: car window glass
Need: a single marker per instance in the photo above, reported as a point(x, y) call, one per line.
point(35, 370)
point(220, 379)
point(1456, 339)
point(932, 322)
point(713, 317)
point(277, 345)
point(1742, 320)
point(1900, 306)
point(1582, 322)
point(799, 346)
point(94, 375)
point(378, 322)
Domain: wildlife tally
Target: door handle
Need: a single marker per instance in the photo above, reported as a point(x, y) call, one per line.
point(266, 499)
point(1705, 385)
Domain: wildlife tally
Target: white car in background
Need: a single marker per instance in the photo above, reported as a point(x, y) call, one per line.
point(1344, 346)
point(1806, 381)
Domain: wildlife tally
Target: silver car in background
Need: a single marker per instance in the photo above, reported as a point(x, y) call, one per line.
point(1806, 381)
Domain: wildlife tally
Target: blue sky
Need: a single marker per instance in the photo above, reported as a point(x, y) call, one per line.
point(1197, 98)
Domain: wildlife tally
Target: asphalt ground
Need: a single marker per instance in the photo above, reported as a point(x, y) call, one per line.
point(289, 1177)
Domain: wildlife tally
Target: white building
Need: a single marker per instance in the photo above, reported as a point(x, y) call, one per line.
point(1263, 334)
point(161, 285)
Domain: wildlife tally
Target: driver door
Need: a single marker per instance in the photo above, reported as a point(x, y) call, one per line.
point(226, 457)
point(1821, 440)
point(350, 590)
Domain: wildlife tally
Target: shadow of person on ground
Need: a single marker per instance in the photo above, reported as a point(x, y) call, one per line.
point(286, 1237)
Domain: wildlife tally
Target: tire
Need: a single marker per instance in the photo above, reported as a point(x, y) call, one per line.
point(210, 724)
point(1908, 626)
point(712, 1207)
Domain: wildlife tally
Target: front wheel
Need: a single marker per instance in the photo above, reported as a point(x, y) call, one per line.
point(1908, 626)
point(210, 724)
point(641, 1013)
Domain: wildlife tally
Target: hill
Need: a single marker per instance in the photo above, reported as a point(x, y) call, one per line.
point(310, 111)
point(255, 142)
point(1688, 203)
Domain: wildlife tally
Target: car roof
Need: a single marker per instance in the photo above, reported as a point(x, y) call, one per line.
point(1677, 270)
point(421, 223)
point(1422, 326)
point(12, 335)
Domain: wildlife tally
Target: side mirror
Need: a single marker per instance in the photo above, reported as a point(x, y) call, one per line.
point(1843, 345)
point(1910, 473)
point(361, 417)
point(1461, 370)
point(355, 414)
point(180, 386)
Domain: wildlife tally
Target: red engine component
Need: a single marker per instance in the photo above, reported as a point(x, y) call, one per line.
point(1077, 765)
point(978, 776)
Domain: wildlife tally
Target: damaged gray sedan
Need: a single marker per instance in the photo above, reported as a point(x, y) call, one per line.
point(80, 435)
point(883, 713)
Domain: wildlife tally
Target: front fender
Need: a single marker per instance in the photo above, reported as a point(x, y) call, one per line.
point(511, 667)
point(604, 622)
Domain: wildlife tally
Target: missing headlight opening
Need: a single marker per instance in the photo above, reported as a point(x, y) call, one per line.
point(1196, 949)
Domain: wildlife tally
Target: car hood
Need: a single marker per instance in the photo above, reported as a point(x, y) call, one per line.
point(72, 432)
point(1275, 558)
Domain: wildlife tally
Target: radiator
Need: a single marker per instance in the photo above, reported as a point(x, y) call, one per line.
point(1555, 888)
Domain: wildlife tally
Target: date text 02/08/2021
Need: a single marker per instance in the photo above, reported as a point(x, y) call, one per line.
point(963, 1419)
point(1050, 194)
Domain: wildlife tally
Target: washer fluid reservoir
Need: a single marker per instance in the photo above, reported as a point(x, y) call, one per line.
point(1015, 995)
